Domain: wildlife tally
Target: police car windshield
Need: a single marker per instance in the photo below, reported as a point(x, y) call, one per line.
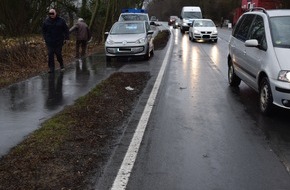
point(130, 17)
point(128, 28)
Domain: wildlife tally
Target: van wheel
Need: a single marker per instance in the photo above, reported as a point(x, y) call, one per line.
point(233, 79)
point(266, 98)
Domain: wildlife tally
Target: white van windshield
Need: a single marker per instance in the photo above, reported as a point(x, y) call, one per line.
point(192, 15)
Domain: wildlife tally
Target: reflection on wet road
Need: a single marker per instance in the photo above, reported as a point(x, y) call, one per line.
point(25, 105)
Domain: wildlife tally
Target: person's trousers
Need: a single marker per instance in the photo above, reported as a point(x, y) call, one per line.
point(57, 50)
point(83, 45)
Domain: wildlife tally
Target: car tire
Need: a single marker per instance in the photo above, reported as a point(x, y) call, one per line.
point(233, 79)
point(147, 55)
point(182, 31)
point(108, 59)
point(265, 97)
point(190, 39)
point(215, 40)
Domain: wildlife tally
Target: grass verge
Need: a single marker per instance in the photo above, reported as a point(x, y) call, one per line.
point(69, 148)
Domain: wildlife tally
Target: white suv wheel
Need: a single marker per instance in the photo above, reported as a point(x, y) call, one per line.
point(233, 79)
point(266, 99)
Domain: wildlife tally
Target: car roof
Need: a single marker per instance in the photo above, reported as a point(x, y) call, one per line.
point(205, 19)
point(129, 13)
point(132, 21)
point(270, 12)
point(278, 12)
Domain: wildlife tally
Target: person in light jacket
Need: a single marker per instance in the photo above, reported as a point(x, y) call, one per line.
point(55, 32)
point(83, 35)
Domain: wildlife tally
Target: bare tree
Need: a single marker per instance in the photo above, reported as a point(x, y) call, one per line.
point(13, 17)
point(18, 18)
point(106, 18)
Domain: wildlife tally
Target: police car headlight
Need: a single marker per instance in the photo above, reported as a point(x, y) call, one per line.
point(284, 76)
point(140, 41)
point(110, 41)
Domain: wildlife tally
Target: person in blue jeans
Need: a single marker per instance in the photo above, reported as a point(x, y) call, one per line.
point(55, 33)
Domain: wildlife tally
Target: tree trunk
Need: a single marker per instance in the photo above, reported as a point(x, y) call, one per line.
point(106, 19)
point(94, 15)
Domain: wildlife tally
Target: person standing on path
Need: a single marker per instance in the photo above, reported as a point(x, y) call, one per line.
point(83, 35)
point(55, 33)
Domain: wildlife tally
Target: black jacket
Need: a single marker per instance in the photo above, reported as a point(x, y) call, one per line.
point(55, 31)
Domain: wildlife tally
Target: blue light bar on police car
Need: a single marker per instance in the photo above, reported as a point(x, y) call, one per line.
point(134, 10)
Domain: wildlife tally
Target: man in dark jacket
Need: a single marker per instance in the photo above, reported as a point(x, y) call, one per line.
point(83, 35)
point(55, 32)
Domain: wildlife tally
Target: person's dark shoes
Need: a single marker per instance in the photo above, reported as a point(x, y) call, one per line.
point(62, 69)
point(51, 71)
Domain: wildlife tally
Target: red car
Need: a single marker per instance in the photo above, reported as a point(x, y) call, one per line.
point(173, 21)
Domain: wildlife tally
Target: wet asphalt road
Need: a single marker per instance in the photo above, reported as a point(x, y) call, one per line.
point(204, 135)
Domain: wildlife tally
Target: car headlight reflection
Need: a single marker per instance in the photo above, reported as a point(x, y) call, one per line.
point(284, 76)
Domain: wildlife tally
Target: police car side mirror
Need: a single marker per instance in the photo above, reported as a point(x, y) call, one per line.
point(106, 35)
point(150, 32)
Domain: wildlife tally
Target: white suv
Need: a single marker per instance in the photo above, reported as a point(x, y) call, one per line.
point(259, 50)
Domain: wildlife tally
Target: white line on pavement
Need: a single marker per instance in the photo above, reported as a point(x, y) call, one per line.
point(124, 172)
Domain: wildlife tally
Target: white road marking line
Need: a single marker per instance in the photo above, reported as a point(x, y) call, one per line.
point(124, 172)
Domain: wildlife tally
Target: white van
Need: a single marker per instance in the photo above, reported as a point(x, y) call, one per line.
point(188, 14)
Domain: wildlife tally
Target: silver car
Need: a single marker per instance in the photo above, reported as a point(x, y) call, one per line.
point(129, 38)
point(203, 29)
point(258, 55)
